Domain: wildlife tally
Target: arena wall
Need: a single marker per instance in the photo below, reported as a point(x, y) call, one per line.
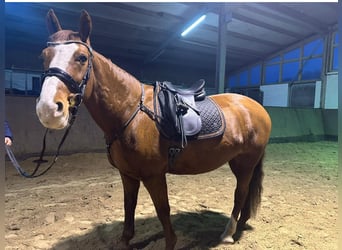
point(84, 136)
point(288, 125)
point(302, 124)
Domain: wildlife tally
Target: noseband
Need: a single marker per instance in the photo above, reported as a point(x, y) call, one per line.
point(72, 85)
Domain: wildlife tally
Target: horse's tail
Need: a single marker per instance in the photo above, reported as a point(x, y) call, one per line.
point(253, 199)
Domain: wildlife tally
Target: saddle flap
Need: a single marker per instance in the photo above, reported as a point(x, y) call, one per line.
point(192, 122)
point(165, 108)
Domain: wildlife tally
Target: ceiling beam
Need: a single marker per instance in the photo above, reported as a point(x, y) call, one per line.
point(241, 36)
point(252, 39)
point(231, 50)
point(156, 53)
point(265, 25)
point(149, 13)
point(296, 15)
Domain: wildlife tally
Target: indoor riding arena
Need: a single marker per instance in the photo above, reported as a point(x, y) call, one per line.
point(270, 72)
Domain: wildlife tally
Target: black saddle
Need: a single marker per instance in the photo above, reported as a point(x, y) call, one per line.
point(185, 114)
point(177, 114)
point(196, 89)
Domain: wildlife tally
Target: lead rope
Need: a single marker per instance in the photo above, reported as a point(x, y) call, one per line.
point(41, 160)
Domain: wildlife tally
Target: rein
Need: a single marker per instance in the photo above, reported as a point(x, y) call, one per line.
point(75, 88)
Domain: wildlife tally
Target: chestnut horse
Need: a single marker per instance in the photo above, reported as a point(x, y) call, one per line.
point(115, 99)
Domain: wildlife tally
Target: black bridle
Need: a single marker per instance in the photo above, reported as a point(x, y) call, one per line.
point(75, 88)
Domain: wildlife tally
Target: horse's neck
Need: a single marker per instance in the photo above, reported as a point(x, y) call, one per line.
point(112, 96)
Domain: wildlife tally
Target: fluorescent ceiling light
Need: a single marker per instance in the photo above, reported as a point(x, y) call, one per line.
point(198, 21)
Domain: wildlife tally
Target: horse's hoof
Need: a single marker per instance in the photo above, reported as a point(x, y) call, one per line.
point(121, 246)
point(228, 240)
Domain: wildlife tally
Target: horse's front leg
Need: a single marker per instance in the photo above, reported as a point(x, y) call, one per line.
point(157, 187)
point(131, 188)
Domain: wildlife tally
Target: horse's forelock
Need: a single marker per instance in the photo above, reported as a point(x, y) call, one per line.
point(64, 35)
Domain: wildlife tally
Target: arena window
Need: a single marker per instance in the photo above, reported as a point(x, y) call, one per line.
point(272, 73)
point(312, 69)
point(243, 80)
point(255, 75)
point(22, 82)
point(290, 71)
point(247, 78)
point(293, 54)
point(233, 81)
point(312, 60)
point(272, 70)
point(313, 48)
point(291, 64)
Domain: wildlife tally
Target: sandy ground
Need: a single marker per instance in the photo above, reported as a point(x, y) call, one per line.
point(79, 205)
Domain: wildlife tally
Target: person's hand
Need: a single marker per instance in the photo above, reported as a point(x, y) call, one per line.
point(8, 141)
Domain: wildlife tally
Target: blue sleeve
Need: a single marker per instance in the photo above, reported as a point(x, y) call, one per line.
point(8, 132)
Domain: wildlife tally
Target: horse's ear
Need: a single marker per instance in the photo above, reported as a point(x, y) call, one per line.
point(52, 22)
point(85, 26)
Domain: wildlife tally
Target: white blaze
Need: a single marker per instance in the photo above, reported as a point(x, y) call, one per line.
point(46, 107)
point(63, 54)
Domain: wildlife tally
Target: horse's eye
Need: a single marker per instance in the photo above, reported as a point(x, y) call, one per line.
point(82, 58)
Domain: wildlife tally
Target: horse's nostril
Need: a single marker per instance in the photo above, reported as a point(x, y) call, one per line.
point(59, 106)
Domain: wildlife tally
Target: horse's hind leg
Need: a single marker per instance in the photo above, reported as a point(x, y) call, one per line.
point(254, 195)
point(157, 188)
point(243, 168)
point(131, 188)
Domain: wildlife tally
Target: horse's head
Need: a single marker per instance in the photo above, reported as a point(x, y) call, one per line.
point(67, 65)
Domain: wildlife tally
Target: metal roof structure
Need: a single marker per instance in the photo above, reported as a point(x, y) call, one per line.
point(149, 33)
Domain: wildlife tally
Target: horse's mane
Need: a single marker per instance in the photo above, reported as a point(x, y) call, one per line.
point(119, 73)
